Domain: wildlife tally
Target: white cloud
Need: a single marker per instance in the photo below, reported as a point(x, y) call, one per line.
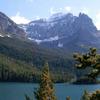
point(60, 9)
point(52, 10)
point(68, 8)
point(19, 19)
point(97, 21)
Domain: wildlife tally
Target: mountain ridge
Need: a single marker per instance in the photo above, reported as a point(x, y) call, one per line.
point(60, 30)
point(9, 28)
point(60, 42)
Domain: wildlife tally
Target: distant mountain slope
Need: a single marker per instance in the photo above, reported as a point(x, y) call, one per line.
point(57, 26)
point(22, 60)
point(13, 45)
point(28, 51)
point(9, 28)
point(58, 31)
point(60, 34)
point(53, 40)
point(12, 70)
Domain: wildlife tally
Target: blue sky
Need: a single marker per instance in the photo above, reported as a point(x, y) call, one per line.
point(23, 11)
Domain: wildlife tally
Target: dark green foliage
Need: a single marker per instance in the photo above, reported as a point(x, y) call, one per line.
point(21, 57)
point(19, 71)
point(46, 89)
point(86, 60)
point(16, 71)
point(27, 97)
point(30, 52)
point(91, 60)
point(95, 95)
point(91, 96)
point(68, 98)
point(85, 96)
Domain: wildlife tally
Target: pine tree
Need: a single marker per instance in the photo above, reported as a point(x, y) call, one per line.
point(46, 89)
point(95, 95)
point(68, 98)
point(27, 97)
point(85, 96)
point(90, 59)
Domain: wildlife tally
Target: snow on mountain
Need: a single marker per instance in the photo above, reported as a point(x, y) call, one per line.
point(44, 40)
point(1, 35)
point(59, 24)
point(60, 30)
point(60, 45)
point(8, 35)
point(7, 26)
point(5, 35)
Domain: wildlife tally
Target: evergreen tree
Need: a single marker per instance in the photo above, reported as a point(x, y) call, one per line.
point(95, 95)
point(91, 96)
point(85, 96)
point(68, 98)
point(90, 59)
point(46, 89)
point(27, 97)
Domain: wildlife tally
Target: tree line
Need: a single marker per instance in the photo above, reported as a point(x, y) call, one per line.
point(46, 90)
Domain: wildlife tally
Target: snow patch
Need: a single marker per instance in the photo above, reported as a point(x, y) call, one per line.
point(24, 27)
point(56, 16)
point(30, 39)
point(44, 40)
point(60, 45)
point(39, 35)
point(32, 24)
point(5, 35)
point(8, 35)
point(1, 35)
point(38, 41)
point(35, 40)
point(52, 39)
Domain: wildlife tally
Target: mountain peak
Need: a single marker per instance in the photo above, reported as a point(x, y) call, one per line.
point(84, 22)
point(60, 31)
point(69, 28)
point(59, 16)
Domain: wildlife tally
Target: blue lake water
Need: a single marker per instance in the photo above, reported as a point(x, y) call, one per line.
point(16, 91)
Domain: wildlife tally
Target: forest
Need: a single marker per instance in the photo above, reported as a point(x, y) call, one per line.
point(21, 61)
point(45, 91)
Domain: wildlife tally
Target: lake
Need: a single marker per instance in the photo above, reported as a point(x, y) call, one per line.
point(16, 91)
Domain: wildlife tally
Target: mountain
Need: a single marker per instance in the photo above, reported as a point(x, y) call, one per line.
point(22, 59)
point(51, 29)
point(53, 40)
point(60, 30)
point(9, 28)
point(14, 46)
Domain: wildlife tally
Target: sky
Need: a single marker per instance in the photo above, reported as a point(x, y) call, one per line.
point(24, 11)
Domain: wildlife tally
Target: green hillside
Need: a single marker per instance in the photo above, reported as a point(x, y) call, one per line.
point(22, 60)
